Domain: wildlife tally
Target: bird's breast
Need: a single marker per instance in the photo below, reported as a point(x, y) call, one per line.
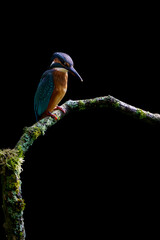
point(60, 82)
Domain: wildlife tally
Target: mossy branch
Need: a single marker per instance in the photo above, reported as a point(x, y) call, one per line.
point(13, 204)
point(11, 160)
point(39, 128)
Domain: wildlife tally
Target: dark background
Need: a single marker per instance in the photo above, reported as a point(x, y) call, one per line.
point(96, 172)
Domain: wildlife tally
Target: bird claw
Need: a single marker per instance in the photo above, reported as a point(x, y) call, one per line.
point(60, 108)
point(52, 115)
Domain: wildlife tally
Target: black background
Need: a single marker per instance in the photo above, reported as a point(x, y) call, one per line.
point(94, 173)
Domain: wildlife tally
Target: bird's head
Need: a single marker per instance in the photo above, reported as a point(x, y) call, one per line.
point(64, 61)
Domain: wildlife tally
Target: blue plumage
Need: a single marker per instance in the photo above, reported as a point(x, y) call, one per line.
point(43, 93)
point(53, 85)
point(63, 57)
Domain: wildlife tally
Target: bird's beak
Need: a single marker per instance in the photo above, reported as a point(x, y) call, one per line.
point(75, 73)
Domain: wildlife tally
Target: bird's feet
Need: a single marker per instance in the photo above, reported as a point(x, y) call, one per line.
point(52, 115)
point(60, 108)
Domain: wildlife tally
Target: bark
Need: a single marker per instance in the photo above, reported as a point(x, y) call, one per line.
point(13, 204)
point(39, 128)
point(11, 159)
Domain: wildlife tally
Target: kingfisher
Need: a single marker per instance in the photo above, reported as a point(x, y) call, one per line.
point(53, 85)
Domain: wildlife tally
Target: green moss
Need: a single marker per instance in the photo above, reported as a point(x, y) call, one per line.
point(20, 204)
point(14, 164)
point(36, 133)
point(116, 104)
point(13, 204)
point(29, 136)
point(82, 105)
point(32, 133)
point(12, 159)
point(94, 100)
point(141, 113)
point(20, 151)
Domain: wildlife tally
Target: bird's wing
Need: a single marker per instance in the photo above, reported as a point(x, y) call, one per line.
point(43, 93)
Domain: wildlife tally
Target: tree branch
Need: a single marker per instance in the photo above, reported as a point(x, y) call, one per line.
point(39, 128)
point(12, 159)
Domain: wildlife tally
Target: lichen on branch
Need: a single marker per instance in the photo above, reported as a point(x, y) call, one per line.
point(13, 205)
point(11, 160)
point(39, 128)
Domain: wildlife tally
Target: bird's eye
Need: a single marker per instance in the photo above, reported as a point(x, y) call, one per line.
point(66, 64)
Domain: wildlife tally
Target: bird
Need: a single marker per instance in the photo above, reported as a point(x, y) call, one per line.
point(53, 85)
